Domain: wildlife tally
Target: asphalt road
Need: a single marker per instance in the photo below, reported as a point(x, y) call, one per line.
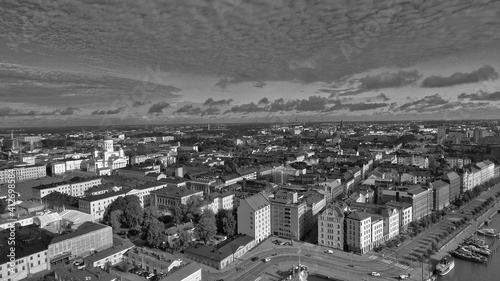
point(332, 265)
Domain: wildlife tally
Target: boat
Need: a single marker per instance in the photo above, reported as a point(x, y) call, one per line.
point(480, 243)
point(445, 265)
point(481, 251)
point(491, 232)
point(468, 255)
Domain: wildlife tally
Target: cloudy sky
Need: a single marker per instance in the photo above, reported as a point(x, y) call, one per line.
point(88, 62)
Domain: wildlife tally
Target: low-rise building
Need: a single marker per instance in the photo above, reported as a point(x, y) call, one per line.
point(223, 255)
point(169, 197)
point(110, 256)
point(71, 273)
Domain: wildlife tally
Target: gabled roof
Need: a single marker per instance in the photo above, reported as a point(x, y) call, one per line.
point(49, 218)
point(257, 201)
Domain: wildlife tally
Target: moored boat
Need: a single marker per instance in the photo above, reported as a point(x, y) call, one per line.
point(445, 265)
point(491, 232)
point(468, 255)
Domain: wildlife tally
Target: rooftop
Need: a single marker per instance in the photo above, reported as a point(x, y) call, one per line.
point(85, 228)
point(171, 191)
point(257, 201)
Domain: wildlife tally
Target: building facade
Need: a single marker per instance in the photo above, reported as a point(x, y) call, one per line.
point(254, 217)
point(331, 228)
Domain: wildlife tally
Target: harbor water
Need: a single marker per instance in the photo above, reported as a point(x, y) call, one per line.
point(466, 270)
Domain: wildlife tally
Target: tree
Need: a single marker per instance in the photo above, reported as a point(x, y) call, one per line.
point(115, 219)
point(151, 212)
point(185, 238)
point(118, 204)
point(154, 233)
point(229, 224)
point(206, 228)
point(178, 215)
point(133, 214)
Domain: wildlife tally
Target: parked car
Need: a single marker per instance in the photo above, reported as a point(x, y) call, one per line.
point(150, 275)
point(375, 274)
point(81, 266)
point(255, 258)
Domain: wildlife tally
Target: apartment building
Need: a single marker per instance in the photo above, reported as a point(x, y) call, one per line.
point(390, 218)
point(254, 217)
point(377, 231)
point(89, 237)
point(76, 187)
point(417, 177)
point(58, 168)
point(112, 256)
point(23, 173)
point(220, 202)
point(288, 215)
point(331, 228)
point(358, 232)
point(29, 255)
point(169, 197)
point(453, 179)
point(457, 162)
point(441, 190)
point(96, 205)
point(405, 213)
point(420, 198)
point(478, 174)
point(413, 160)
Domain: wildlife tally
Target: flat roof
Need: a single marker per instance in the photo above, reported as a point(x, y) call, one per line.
point(121, 192)
point(117, 247)
point(172, 191)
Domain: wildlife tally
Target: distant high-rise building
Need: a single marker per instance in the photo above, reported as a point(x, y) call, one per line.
point(478, 135)
point(441, 136)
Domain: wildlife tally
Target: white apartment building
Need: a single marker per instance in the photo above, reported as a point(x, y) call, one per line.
point(75, 187)
point(377, 230)
point(478, 174)
point(58, 168)
point(331, 228)
point(96, 205)
point(254, 217)
point(220, 202)
point(391, 222)
point(27, 261)
point(358, 230)
point(405, 213)
point(455, 162)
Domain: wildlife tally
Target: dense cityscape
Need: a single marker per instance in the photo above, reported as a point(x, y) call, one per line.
point(245, 201)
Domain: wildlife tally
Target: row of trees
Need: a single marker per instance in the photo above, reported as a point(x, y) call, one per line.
point(475, 192)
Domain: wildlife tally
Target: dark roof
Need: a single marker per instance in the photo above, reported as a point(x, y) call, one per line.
point(398, 204)
point(183, 272)
point(172, 191)
point(359, 216)
point(85, 228)
point(28, 242)
point(439, 184)
point(121, 192)
point(224, 250)
point(257, 201)
point(117, 247)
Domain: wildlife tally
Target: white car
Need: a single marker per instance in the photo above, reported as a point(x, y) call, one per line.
point(267, 259)
point(150, 275)
point(375, 274)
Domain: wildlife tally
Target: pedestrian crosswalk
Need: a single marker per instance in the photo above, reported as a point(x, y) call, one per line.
point(402, 266)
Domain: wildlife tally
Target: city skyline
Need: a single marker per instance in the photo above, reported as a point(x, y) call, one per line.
point(235, 61)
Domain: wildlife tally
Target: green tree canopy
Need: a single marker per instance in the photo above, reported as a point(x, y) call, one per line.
point(206, 228)
point(154, 233)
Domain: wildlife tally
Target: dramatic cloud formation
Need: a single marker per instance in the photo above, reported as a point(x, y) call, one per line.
point(482, 74)
point(131, 56)
point(423, 104)
point(68, 111)
point(383, 97)
point(212, 102)
point(158, 107)
point(389, 80)
point(480, 95)
point(264, 101)
point(108, 112)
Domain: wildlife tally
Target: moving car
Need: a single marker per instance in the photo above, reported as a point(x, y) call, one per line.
point(268, 259)
point(375, 274)
point(404, 276)
point(329, 251)
point(255, 258)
